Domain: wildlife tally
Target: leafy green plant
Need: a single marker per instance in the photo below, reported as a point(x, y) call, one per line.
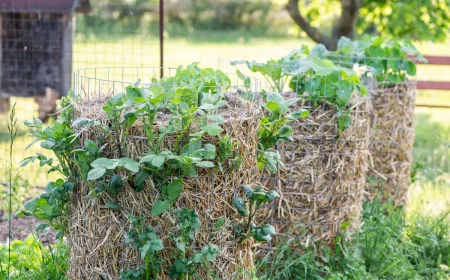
point(30, 259)
point(187, 223)
point(387, 58)
point(247, 207)
point(275, 128)
point(144, 238)
point(276, 72)
point(323, 83)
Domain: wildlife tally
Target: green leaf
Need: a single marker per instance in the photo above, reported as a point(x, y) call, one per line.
point(205, 164)
point(22, 213)
point(181, 246)
point(96, 173)
point(322, 67)
point(129, 119)
point(105, 163)
point(248, 191)
point(207, 107)
point(299, 114)
point(272, 106)
point(219, 223)
point(157, 245)
point(139, 180)
point(31, 204)
point(271, 195)
point(159, 207)
point(133, 93)
point(147, 158)
point(275, 98)
point(48, 144)
point(115, 184)
point(113, 206)
point(158, 160)
point(212, 129)
point(174, 189)
point(269, 229)
point(240, 206)
point(129, 164)
point(41, 227)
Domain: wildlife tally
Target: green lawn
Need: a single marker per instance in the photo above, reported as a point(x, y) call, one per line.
point(433, 125)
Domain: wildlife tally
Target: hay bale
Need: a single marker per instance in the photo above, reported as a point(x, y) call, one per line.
point(392, 139)
point(323, 182)
point(97, 234)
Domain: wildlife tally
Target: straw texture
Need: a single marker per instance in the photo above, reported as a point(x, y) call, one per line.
point(392, 140)
point(97, 234)
point(323, 182)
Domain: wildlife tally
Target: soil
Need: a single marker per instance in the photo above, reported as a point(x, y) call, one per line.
point(21, 228)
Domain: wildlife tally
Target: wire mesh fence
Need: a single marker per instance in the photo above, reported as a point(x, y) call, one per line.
point(98, 235)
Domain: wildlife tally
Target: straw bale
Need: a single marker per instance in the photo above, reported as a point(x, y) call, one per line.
point(323, 183)
point(97, 234)
point(392, 140)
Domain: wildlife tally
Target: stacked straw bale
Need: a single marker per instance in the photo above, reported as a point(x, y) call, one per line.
point(97, 234)
point(322, 186)
point(392, 140)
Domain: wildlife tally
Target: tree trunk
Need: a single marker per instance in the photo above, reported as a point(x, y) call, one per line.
point(344, 26)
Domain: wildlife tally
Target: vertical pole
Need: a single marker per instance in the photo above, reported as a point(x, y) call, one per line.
point(161, 37)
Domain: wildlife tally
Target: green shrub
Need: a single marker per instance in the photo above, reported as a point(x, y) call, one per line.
point(30, 259)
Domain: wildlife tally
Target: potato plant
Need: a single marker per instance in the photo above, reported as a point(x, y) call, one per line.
point(387, 58)
point(190, 102)
point(313, 78)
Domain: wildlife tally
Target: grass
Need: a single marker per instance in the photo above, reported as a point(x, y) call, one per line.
point(389, 246)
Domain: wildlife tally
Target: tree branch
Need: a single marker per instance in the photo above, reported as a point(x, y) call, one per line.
point(312, 32)
point(345, 26)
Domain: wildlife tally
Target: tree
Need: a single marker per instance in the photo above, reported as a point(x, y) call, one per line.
point(417, 20)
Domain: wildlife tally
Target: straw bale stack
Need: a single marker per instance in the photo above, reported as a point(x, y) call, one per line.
point(392, 140)
point(322, 186)
point(97, 234)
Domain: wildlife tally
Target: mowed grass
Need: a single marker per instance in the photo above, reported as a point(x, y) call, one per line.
point(432, 125)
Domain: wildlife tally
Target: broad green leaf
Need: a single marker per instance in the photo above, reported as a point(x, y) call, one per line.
point(181, 246)
point(322, 67)
point(105, 163)
point(96, 173)
point(130, 164)
point(212, 129)
point(159, 207)
point(157, 245)
point(207, 107)
point(174, 189)
point(147, 158)
point(248, 191)
point(48, 144)
point(269, 229)
point(219, 223)
point(133, 93)
point(299, 114)
point(205, 164)
point(140, 178)
point(158, 160)
point(113, 206)
point(240, 206)
point(272, 106)
point(276, 98)
point(31, 204)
